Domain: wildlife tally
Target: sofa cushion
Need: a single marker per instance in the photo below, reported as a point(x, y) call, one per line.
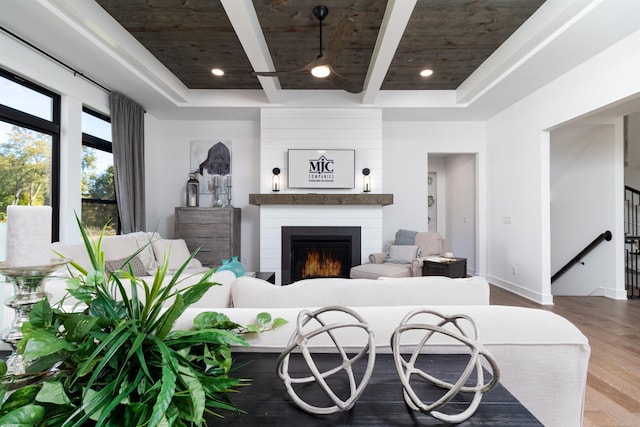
point(177, 252)
point(118, 247)
point(432, 290)
point(403, 254)
point(76, 252)
point(135, 263)
point(144, 240)
point(430, 243)
point(373, 271)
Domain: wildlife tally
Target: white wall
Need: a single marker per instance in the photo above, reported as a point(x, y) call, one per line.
point(408, 149)
point(461, 207)
point(581, 207)
point(518, 167)
point(167, 164)
point(632, 170)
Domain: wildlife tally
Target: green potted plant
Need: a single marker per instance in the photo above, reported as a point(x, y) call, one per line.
point(117, 361)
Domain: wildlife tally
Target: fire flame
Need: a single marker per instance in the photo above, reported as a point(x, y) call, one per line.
point(321, 265)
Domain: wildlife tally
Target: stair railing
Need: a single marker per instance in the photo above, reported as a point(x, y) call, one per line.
point(576, 259)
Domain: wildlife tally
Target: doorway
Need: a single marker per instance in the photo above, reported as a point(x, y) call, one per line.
point(452, 203)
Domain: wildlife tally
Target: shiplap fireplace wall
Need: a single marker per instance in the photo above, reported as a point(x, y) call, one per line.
point(282, 129)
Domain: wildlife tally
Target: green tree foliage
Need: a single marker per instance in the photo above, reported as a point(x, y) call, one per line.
point(100, 185)
point(96, 184)
point(25, 168)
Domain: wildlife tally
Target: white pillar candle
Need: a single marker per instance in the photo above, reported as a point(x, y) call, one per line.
point(28, 236)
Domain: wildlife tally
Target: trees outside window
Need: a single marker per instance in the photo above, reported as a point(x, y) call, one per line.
point(29, 148)
point(99, 204)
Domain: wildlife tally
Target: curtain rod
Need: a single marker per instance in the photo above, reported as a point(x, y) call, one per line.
point(68, 67)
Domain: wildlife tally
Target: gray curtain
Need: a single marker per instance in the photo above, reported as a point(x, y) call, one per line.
point(127, 132)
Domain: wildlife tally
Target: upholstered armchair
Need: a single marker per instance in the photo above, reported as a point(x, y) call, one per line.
point(402, 257)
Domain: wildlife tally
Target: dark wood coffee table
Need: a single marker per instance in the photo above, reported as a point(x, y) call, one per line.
point(266, 402)
point(452, 267)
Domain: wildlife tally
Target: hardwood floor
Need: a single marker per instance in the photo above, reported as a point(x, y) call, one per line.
point(613, 330)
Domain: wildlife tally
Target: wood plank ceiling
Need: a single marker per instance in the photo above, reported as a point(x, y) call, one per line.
point(452, 37)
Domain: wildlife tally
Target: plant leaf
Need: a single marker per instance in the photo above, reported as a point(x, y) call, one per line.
point(21, 397)
point(114, 340)
point(28, 415)
point(106, 411)
point(168, 319)
point(42, 343)
point(253, 329)
point(213, 319)
point(41, 314)
point(212, 336)
point(52, 392)
point(196, 390)
point(168, 385)
point(279, 321)
point(263, 318)
point(78, 325)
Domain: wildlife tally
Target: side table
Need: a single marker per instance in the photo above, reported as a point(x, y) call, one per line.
point(450, 267)
point(269, 276)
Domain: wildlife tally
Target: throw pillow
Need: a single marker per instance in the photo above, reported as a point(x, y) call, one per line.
point(118, 264)
point(403, 254)
point(119, 247)
point(148, 258)
point(405, 237)
point(177, 251)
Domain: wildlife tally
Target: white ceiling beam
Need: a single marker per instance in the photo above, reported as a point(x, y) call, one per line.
point(395, 20)
point(245, 23)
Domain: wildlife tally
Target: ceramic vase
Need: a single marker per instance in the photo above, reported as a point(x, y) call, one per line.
point(236, 267)
point(225, 265)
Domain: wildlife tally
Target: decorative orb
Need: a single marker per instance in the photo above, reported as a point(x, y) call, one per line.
point(299, 342)
point(450, 326)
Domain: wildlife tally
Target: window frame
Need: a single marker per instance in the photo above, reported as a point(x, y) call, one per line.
point(38, 124)
point(102, 145)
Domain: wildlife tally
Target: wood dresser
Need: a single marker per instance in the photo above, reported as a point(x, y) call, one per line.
point(216, 231)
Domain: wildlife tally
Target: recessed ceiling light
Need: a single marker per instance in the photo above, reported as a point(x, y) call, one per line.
point(217, 72)
point(426, 73)
point(321, 71)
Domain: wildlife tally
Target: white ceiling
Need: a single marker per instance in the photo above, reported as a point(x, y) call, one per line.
point(559, 36)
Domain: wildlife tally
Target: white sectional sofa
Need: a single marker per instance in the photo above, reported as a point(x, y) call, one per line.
point(543, 358)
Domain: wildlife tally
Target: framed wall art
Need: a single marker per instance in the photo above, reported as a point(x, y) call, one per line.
point(321, 168)
point(210, 159)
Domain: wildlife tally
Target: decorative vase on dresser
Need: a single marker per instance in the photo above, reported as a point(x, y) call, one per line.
point(216, 231)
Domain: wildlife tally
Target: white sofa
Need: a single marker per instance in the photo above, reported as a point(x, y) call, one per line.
point(543, 358)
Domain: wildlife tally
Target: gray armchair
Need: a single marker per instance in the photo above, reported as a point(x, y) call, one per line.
point(403, 257)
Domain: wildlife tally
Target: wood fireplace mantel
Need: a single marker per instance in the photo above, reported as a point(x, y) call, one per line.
point(321, 199)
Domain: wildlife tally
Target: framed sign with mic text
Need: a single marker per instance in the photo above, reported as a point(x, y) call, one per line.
point(321, 168)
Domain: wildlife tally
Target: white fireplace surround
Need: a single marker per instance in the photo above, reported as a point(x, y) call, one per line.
point(282, 129)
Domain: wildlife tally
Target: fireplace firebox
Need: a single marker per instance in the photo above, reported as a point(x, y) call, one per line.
point(309, 252)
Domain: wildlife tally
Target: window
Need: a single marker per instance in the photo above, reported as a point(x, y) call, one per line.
point(29, 148)
point(99, 205)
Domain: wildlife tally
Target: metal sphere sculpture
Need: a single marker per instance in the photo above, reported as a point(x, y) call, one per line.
point(450, 326)
point(299, 341)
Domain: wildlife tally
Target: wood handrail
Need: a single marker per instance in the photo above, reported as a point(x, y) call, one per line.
point(576, 259)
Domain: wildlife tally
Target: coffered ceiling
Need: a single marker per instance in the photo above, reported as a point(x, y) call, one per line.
point(451, 37)
point(485, 54)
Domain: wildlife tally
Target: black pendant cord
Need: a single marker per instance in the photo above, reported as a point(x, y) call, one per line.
point(320, 38)
point(56, 60)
